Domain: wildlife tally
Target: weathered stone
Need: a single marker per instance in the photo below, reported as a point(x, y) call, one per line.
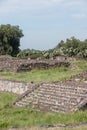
point(14, 86)
point(66, 98)
point(17, 65)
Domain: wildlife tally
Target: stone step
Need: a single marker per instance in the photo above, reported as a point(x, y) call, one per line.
point(55, 97)
point(20, 103)
point(49, 102)
point(53, 89)
point(79, 90)
point(52, 100)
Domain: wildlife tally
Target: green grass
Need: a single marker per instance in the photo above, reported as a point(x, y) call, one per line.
point(12, 117)
point(55, 74)
point(6, 98)
point(82, 64)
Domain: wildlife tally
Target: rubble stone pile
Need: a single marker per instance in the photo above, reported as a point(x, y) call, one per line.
point(17, 65)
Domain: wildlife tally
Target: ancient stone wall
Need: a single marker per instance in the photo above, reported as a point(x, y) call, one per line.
point(17, 65)
point(41, 65)
point(15, 87)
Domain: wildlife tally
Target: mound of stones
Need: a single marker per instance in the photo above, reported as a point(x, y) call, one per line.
point(41, 64)
point(18, 65)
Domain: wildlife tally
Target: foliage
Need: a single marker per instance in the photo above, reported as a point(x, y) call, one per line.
point(10, 42)
point(27, 53)
point(10, 39)
point(71, 47)
point(74, 47)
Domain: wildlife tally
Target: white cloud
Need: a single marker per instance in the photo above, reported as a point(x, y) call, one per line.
point(12, 6)
point(43, 8)
point(27, 7)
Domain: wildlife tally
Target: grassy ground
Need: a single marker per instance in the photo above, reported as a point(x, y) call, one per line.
point(55, 74)
point(11, 117)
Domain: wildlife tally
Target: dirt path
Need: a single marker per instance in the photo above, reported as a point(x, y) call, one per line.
point(57, 128)
point(81, 126)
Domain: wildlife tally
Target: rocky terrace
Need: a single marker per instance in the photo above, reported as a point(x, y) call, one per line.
point(67, 96)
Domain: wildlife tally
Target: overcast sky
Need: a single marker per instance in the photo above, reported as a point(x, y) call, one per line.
point(46, 22)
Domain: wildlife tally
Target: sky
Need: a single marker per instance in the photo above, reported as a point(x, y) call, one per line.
point(45, 22)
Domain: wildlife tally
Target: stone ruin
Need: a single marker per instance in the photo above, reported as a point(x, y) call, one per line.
point(64, 96)
point(17, 65)
point(67, 96)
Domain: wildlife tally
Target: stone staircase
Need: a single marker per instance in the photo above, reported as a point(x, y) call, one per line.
point(65, 96)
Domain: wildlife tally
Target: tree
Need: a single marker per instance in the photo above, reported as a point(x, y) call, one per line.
point(73, 42)
point(10, 39)
point(71, 46)
point(60, 44)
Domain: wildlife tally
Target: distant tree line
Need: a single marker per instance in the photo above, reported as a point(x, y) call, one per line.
point(10, 42)
point(71, 47)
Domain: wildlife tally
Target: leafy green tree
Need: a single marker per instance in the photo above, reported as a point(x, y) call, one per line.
point(10, 39)
point(73, 42)
point(82, 49)
point(60, 44)
point(27, 53)
point(72, 46)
